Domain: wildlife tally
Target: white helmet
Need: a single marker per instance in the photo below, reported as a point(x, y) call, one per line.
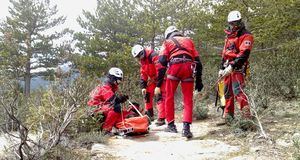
point(117, 72)
point(170, 30)
point(234, 16)
point(136, 50)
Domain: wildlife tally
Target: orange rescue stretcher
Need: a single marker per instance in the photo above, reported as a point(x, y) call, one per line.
point(133, 125)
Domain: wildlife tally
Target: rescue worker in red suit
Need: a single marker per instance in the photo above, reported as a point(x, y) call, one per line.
point(238, 44)
point(106, 100)
point(148, 59)
point(180, 60)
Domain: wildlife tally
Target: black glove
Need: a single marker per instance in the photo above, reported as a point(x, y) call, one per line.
point(122, 98)
point(143, 83)
point(158, 97)
point(198, 85)
point(117, 107)
point(147, 97)
point(198, 82)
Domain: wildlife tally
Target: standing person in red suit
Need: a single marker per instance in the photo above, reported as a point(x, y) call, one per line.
point(106, 100)
point(237, 48)
point(148, 59)
point(180, 60)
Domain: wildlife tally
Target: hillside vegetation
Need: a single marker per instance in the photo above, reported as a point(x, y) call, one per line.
point(58, 116)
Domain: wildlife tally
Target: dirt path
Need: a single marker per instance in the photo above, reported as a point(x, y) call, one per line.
point(3, 142)
point(168, 146)
point(211, 141)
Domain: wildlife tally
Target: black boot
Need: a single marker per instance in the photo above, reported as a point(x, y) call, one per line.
point(160, 122)
point(186, 132)
point(149, 113)
point(171, 128)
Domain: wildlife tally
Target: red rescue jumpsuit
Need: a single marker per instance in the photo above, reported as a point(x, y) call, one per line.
point(148, 73)
point(101, 97)
point(236, 53)
point(181, 67)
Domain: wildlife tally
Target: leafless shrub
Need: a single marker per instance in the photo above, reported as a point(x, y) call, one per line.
point(50, 113)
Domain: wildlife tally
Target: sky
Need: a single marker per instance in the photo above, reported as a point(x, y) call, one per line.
point(69, 8)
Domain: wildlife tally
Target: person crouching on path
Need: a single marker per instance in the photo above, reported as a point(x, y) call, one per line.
point(148, 59)
point(181, 62)
point(106, 100)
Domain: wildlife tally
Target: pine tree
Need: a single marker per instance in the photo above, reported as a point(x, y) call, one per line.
point(26, 37)
point(111, 28)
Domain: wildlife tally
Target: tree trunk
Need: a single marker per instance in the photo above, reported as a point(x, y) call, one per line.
point(152, 42)
point(27, 79)
point(153, 38)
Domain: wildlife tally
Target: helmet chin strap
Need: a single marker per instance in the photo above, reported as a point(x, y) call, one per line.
point(118, 81)
point(142, 54)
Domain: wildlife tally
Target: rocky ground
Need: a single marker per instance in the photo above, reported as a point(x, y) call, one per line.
point(161, 145)
point(211, 141)
point(281, 124)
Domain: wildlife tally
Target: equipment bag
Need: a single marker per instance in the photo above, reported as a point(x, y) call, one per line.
point(133, 125)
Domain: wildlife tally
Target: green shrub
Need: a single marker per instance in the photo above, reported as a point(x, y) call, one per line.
point(87, 139)
point(277, 72)
point(65, 153)
point(243, 124)
point(86, 122)
point(131, 87)
point(200, 107)
point(48, 107)
point(14, 101)
point(296, 143)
